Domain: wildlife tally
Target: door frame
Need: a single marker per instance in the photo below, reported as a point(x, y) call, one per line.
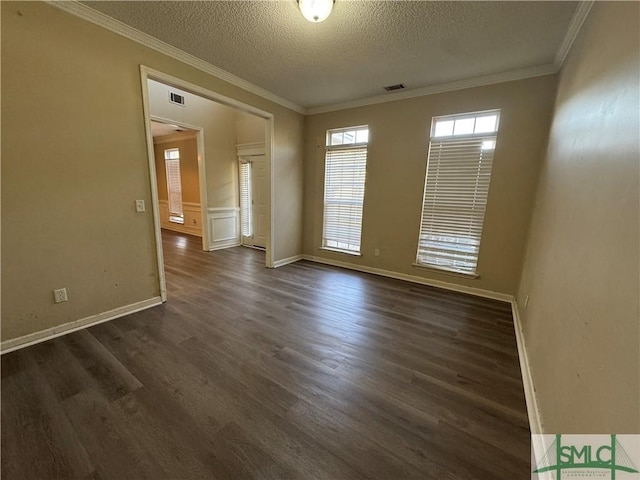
point(147, 73)
point(202, 173)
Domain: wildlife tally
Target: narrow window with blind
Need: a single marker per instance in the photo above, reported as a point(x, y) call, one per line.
point(174, 184)
point(344, 179)
point(456, 190)
point(245, 198)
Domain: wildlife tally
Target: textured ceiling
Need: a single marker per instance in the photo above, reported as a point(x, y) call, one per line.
point(360, 48)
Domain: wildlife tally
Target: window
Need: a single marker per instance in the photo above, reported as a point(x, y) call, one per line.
point(345, 171)
point(174, 185)
point(456, 190)
point(245, 198)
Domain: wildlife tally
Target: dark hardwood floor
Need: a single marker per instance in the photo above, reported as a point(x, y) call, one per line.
point(305, 371)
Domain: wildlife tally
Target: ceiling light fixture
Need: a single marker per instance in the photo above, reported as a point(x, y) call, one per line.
point(316, 10)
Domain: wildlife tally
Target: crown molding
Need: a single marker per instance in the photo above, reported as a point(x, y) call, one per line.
point(89, 14)
point(509, 76)
point(579, 16)
point(576, 23)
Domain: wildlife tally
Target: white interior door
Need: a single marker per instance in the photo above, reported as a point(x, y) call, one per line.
point(258, 198)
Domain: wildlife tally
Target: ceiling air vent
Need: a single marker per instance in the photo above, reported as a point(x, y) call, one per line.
point(176, 98)
point(397, 86)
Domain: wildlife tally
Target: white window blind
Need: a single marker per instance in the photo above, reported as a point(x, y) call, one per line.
point(344, 184)
point(456, 190)
point(174, 185)
point(245, 198)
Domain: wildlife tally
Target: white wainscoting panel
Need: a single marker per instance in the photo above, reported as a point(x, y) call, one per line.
point(224, 227)
point(192, 218)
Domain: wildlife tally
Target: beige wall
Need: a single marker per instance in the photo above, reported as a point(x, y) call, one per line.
point(288, 188)
point(249, 128)
point(75, 159)
point(582, 322)
point(219, 131)
point(188, 166)
point(396, 164)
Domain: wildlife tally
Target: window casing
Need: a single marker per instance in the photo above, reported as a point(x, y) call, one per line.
point(174, 184)
point(456, 189)
point(344, 185)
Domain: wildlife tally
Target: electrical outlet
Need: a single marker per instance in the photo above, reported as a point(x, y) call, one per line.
point(140, 206)
point(60, 295)
point(376, 252)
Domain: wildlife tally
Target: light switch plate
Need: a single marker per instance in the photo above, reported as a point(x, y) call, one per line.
point(140, 206)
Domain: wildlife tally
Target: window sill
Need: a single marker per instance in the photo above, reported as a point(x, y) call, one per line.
point(445, 271)
point(344, 252)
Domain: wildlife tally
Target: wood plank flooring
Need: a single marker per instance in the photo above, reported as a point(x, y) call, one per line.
point(305, 371)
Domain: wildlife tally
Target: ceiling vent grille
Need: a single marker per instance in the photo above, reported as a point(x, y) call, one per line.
point(397, 86)
point(176, 98)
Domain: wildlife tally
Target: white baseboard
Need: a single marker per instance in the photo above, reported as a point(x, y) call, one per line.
point(224, 244)
point(287, 261)
point(478, 292)
point(535, 419)
point(533, 412)
point(53, 332)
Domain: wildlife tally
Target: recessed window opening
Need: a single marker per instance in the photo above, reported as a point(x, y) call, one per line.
point(456, 189)
point(174, 185)
point(344, 184)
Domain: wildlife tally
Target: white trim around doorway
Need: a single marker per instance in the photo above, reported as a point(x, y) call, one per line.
point(202, 173)
point(147, 73)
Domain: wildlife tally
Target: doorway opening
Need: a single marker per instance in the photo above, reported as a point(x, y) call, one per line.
point(177, 149)
point(225, 134)
point(252, 179)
